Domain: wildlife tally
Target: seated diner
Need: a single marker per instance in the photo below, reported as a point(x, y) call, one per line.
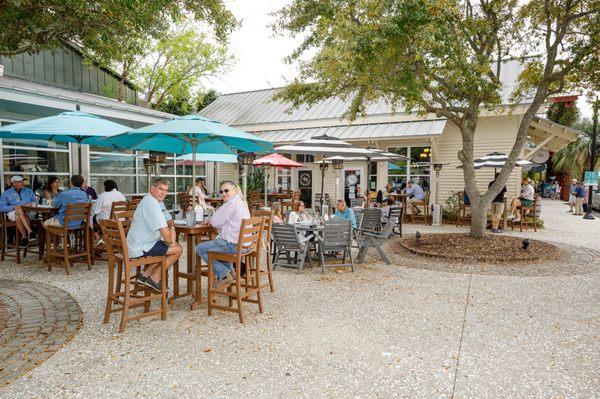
point(152, 233)
point(345, 213)
point(227, 219)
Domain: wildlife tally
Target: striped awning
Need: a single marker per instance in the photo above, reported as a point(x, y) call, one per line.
point(325, 146)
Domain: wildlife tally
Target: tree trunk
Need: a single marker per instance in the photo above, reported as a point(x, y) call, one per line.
point(478, 218)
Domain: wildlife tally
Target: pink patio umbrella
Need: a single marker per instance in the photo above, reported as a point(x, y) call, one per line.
point(277, 161)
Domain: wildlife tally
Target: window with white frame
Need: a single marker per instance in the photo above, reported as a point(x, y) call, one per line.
point(128, 170)
point(417, 169)
point(36, 160)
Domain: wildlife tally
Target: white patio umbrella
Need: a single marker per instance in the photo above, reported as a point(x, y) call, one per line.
point(379, 155)
point(495, 160)
point(325, 146)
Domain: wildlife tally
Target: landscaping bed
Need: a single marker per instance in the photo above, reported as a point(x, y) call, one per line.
point(490, 248)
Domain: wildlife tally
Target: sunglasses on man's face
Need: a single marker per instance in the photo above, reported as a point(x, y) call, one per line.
point(224, 191)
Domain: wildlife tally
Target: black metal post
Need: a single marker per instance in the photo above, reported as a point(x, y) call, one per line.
point(593, 157)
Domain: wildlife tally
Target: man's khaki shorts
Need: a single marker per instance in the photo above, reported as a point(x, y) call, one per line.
point(497, 208)
point(52, 222)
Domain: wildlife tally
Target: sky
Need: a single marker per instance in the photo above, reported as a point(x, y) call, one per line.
point(259, 53)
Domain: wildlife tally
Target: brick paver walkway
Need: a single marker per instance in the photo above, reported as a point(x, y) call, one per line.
point(35, 321)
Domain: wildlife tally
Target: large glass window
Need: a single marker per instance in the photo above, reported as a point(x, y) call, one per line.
point(418, 169)
point(102, 163)
point(284, 178)
point(117, 166)
point(36, 160)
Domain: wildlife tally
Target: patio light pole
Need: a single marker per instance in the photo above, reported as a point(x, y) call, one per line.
point(324, 166)
point(338, 164)
point(245, 159)
point(266, 177)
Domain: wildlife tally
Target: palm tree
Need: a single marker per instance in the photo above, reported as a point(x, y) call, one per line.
point(574, 159)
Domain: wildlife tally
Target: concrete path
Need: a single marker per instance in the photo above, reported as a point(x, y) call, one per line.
point(416, 329)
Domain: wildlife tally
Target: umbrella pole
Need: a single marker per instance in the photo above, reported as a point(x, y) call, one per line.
point(215, 188)
point(193, 170)
point(368, 182)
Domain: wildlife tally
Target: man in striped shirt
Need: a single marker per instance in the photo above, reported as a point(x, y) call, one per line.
point(228, 220)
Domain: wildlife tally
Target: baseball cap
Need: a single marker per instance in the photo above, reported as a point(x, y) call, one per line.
point(16, 178)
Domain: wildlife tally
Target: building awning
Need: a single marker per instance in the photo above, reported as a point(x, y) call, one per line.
point(377, 131)
point(19, 94)
point(549, 135)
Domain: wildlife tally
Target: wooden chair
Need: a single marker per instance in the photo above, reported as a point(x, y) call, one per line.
point(414, 208)
point(6, 226)
point(124, 291)
point(337, 237)
point(254, 200)
point(290, 202)
point(461, 213)
point(249, 249)
point(74, 213)
point(370, 239)
point(267, 238)
point(117, 206)
point(525, 212)
point(133, 203)
point(185, 201)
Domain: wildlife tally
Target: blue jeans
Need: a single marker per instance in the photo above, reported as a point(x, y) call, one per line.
point(217, 245)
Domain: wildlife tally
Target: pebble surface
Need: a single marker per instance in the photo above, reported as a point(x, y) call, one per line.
point(420, 328)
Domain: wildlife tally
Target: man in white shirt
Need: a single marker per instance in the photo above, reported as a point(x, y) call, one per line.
point(101, 209)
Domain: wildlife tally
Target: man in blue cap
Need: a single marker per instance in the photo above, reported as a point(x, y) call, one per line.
point(11, 203)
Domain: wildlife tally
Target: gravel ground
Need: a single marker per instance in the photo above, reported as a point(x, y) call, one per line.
point(415, 329)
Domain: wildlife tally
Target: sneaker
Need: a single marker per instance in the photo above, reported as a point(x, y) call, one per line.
point(148, 282)
point(24, 243)
point(224, 282)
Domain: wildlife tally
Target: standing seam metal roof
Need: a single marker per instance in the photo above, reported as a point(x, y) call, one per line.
point(359, 132)
point(257, 107)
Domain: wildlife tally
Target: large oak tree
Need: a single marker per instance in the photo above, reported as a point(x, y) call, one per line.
point(29, 26)
point(441, 57)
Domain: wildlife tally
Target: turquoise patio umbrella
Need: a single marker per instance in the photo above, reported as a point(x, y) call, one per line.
point(67, 127)
point(190, 134)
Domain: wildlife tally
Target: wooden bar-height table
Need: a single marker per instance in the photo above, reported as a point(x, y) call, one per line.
point(277, 197)
point(193, 236)
point(46, 212)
